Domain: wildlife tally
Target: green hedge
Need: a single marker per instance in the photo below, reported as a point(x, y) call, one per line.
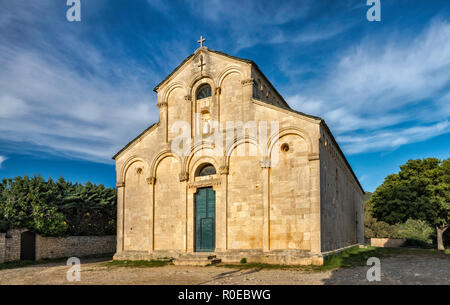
point(57, 208)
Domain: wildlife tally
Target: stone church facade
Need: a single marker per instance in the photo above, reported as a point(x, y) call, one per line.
point(290, 197)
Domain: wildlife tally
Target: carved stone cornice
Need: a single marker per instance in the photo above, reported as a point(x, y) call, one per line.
point(160, 105)
point(120, 184)
point(203, 183)
point(247, 82)
point(184, 176)
point(151, 180)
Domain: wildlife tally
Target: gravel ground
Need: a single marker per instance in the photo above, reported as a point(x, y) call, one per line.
point(402, 269)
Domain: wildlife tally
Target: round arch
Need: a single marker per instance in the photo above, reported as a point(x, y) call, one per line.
point(129, 162)
point(227, 71)
point(274, 138)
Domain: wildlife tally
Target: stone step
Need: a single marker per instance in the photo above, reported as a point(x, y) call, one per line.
point(193, 260)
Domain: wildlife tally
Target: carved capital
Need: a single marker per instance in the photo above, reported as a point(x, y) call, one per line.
point(265, 163)
point(184, 176)
point(218, 90)
point(151, 180)
point(188, 98)
point(120, 184)
point(223, 170)
point(160, 105)
point(247, 82)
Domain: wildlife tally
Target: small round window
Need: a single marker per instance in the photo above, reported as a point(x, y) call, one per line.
point(207, 170)
point(203, 91)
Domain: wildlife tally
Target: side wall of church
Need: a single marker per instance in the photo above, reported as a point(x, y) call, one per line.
point(341, 200)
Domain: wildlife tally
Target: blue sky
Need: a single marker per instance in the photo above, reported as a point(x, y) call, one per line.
point(72, 94)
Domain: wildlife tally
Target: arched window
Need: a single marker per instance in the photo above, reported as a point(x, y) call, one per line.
point(206, 170)
point(203, 91)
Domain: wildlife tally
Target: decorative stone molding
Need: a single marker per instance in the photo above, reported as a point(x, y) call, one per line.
point(151, 180)
point(247, 82)
point(203, 183)
point(218, 90)
point(161, 105)
point(265, 163)
point(120, 184)
point(313, 157)
point(223, 170)
point(188, 98)
point(184, 176)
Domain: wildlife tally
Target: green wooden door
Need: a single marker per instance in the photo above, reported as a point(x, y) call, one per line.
point(205, 220)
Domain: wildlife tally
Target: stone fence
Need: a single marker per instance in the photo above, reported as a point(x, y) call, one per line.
point(11, 245)
point(387, 242)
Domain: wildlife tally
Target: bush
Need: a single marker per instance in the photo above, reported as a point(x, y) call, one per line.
point(417, 230)
point(243, 260)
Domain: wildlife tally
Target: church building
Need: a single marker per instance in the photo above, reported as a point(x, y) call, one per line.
point(230, 171)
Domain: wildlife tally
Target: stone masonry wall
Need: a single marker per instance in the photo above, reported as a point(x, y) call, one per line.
point(2, 247)
point(79, 246)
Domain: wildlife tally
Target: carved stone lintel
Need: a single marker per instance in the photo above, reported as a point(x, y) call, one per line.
point(265, 163)
point(247, 82)
point(223, 170)
point(120, 184)
point(188, 98)
point(218, 90)
point(160, 105)
point(203, 183)
point(184, 176)
point(151, 180)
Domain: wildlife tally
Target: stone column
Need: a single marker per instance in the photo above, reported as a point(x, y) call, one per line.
point(221, 188)
point(190, 218)
point(314, 164)
point(120, 216)
point(265, 165)
point(151, 183)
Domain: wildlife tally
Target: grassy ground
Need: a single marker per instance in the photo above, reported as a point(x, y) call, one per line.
point(138, 264)
point(21, 264)
point(352, 257)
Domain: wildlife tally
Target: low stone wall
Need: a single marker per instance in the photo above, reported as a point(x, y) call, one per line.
point(387, 242)
point(79, 246)
point(55, 247)
point(2, 247)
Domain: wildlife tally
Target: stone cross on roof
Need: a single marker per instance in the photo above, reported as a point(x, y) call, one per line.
point(201, 41)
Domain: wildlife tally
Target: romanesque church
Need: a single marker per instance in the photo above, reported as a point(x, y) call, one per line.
point(283, 195)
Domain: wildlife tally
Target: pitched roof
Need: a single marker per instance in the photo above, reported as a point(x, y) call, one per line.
point(192, 55)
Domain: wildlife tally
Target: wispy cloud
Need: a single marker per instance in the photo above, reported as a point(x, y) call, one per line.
point(2, 159)
point(374, 89)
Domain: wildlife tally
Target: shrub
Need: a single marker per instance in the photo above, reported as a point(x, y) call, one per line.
point(243, 261)
point(418, 230)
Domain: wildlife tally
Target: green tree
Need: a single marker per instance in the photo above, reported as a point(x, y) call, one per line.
point(421, 190)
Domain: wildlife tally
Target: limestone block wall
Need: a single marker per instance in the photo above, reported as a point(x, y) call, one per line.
point(78, 246)
point(136, 208)
point(170, 207)
point(341, 201)
point(12, 245)
point(2, 247)
point(245, 201)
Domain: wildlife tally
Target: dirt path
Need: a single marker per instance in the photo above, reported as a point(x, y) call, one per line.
point(404, 269)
